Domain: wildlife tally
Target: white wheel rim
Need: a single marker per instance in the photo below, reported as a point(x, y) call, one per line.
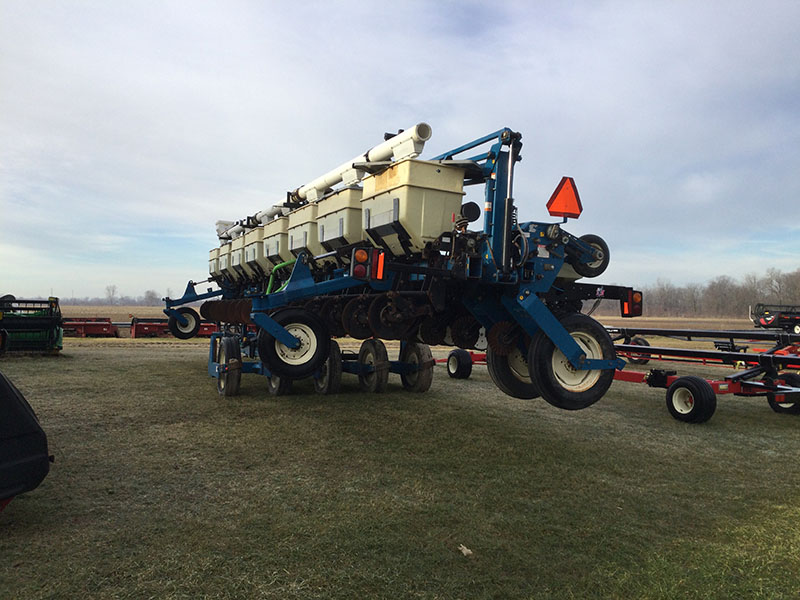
point(599, 261)
point(369, 361)
point(452, 364)
point(189, 323)
point(570, 378)
point(306, 349)
point(518, 366)
point(482, 342)
point(413, 360)
point(274, 382)
point(222, 359)
point(683, 401)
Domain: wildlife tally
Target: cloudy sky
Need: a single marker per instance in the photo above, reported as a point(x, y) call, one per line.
point(128, 128)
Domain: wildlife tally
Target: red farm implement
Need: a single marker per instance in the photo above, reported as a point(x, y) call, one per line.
point(142, 327)
point(692, 399)
point(776, 316)
point(90, 327)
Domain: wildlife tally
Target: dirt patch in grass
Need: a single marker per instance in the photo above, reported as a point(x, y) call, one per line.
point(161, 488)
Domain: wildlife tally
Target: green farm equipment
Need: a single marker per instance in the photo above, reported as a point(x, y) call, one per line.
point(30, 325)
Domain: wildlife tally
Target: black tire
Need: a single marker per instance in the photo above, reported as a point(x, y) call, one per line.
point(279, 386)
point(355, 318)
point(373, 353)
point(184, 332)
point(597, 266)
point(418, 355)
point(789, 404)
point(639, 359)
point(511, 375)
point(559, 382)
point(459, 364)
point(432, 330)
point(329, 379)
point(465, 331)
point(378, 318)
point(691, 399)
point(300, 362)
point(229, 355)
point(331, 311)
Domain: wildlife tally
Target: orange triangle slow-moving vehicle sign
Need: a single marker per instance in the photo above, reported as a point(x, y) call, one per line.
point(565, 201)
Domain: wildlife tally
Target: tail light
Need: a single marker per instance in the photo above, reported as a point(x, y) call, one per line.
point(632, 305)
point(367, 263)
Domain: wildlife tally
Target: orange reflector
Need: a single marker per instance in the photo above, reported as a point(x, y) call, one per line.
point(565, 201)
point(361, 255)
point(637, 296)
point(626, 308)
point(379, 274)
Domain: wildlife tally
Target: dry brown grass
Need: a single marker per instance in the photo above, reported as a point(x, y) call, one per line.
point(115, 313)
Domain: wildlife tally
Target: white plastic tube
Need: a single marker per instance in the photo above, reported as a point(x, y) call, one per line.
point(404, 145)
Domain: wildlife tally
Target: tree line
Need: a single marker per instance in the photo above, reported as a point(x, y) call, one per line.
point(723, 296)
point(113, 297)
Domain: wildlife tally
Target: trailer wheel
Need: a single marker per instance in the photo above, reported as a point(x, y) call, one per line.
point(307, 358)
point(419, 356)
point(373, 354)
point(459, 364)
point(639, 359)
point(691, 399)
point(229, 354)
point(796, 329)
point(184, 332)
point(561, 384)
point(279, 386)
point(511, 375)
point(329, 378)
point(355, 318)
point(595, 267)
point(787, 404)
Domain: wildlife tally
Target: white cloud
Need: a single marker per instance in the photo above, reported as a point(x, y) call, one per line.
point(134, 127)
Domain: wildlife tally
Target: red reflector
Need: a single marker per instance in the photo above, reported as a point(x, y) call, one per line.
point(565, 201)
point(359, 271)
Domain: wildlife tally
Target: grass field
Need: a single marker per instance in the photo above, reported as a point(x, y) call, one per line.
point(163, 489)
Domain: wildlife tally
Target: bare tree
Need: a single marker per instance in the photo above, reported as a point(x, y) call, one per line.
point(151, 298)
point(111, 294)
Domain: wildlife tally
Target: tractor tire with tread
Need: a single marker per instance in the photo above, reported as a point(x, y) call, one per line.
point(229, 354)
point(373, 353)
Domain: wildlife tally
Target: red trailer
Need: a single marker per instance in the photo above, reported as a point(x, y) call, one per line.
point(693, 399)
point(90, 327)
point(143, 327)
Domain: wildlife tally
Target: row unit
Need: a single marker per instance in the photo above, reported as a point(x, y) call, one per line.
point(401, 209)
